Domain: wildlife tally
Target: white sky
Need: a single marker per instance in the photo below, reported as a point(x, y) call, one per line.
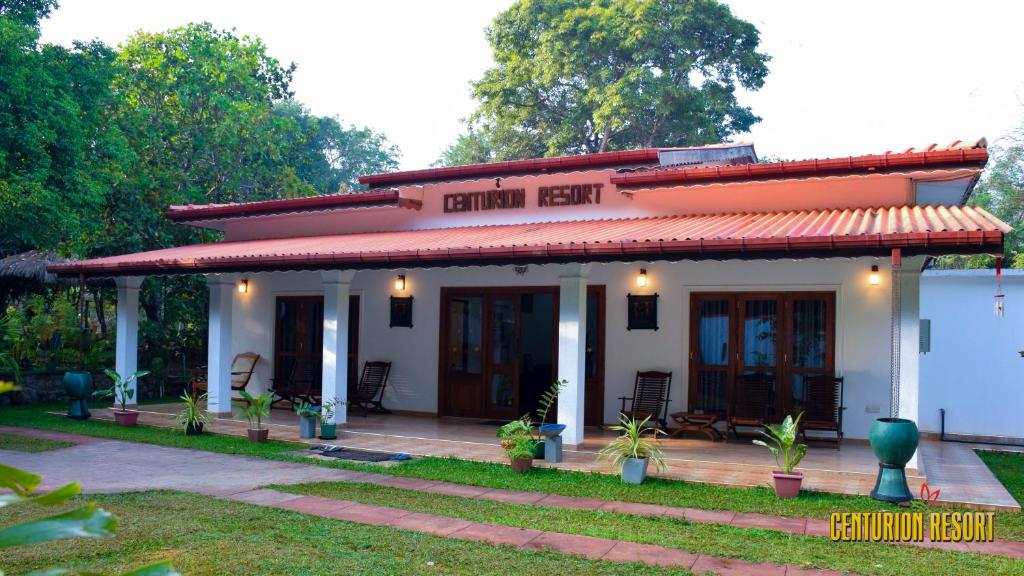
point(846, 77)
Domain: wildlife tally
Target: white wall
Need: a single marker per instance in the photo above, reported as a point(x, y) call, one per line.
point(862, 338)
point(974, 369)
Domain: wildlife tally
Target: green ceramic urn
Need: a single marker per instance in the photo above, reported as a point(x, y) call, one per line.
point(894, 441)
point(78, 385)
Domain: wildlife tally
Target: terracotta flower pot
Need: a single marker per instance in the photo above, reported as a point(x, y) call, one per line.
point(522, 465)
point(258, 435)
point(787, 485)
point(126, 418)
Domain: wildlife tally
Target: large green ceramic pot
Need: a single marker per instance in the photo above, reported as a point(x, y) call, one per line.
point(894, 441)
point(78, 385)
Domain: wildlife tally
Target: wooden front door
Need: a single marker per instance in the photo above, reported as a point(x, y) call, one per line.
point(299, 332)
point(758, 347)
point(593, 410)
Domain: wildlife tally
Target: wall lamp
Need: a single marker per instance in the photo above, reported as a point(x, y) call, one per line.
point(243, 286)
point(874, 278)
point(400, 282)
point(641, 278)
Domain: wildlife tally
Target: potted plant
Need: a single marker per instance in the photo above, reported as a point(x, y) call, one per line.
point(631, 453)
point(518, 443)
point(787, 455)
point(328, 429)
point(122, 391)
point(192, 418)
point(254, 410)
point(308, 415)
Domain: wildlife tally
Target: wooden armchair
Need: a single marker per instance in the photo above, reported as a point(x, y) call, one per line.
point(650, 397)
point(823, 408)
point(299, 384)
point(368, 393)
point(242, 367)
point(753, 402)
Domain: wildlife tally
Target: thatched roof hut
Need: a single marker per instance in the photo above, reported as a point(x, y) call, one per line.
point(29, 267)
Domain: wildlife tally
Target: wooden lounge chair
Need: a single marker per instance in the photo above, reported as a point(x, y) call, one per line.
point(753, 402)
point(368, 394)
point(650, 397)
point(242, 367)
point(299, 385)
point(823, 408)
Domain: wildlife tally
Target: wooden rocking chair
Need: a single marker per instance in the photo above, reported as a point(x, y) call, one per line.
point(753, 402)
point(650, 397)
point(368, 394)
point(242, 367)
point(299, 385)
point(823, 408)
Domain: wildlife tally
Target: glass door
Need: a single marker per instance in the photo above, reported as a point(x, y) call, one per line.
point(757, 369)
point(502, 369)
point(810, 347)
point(464, 366)
point(711, 353)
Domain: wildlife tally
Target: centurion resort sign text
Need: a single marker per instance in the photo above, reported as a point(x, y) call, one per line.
point(503, 198)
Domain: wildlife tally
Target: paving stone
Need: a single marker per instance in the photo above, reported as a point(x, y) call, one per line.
point(712, 516)
point(314, 505)
point(495, 534)
point(815, 527)
point(1001, 547)
point(366, 514)
point(650, 554)
point(418, 484)
point(643, 509)
point(460, 490)
point(585, 546)
point(571, 502)
point(782, 524)
point(733, 567)
point(429, 523)
point(511, 496)
point(263, 497)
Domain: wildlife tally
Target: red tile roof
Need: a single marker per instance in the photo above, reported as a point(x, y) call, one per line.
point(192, 212)
point(513, 167)
point(915, 229)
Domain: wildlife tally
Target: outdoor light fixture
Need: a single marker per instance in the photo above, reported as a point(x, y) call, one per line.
point(874, 278)
point(243, 286)
point(641, 279)
point(400, 282)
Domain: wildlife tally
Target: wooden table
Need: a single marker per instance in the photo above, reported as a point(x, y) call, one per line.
point(691, 422)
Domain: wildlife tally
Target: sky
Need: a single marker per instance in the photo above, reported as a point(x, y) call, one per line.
point(845, 77)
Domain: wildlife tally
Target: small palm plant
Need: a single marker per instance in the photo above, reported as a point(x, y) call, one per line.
point(254, 410)
point(787, 454)
point(630, 452)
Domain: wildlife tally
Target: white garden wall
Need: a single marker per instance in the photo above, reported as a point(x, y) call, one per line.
point(974, 369)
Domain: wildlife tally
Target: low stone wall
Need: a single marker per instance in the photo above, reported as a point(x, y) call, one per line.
point(48, 386)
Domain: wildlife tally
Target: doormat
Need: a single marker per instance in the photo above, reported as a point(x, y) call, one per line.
point(493, 422)
point(343, 453)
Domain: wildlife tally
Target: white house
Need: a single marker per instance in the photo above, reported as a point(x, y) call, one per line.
point(741, 279)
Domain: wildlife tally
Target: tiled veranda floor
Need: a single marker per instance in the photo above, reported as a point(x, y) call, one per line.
point(954, 468)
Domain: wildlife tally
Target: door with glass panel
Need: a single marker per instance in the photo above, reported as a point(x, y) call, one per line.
point(463, 355)
point(750, 353)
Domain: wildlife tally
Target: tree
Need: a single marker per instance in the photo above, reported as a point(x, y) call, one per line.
point(575, 76)
point(27, 12)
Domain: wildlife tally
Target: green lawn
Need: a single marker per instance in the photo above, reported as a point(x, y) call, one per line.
point(19, 443)
point(567, 483)
point(750, 544)
point(1008, 468)
point(203, 535)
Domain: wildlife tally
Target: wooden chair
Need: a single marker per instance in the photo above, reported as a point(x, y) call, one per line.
point(753, 402)
point(368, 394)
point(650, 397)
point(823, 408)
point(693, 422)
point(299, 385)
point(242, 367)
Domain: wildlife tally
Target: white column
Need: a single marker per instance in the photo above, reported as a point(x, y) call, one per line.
point(218, 363)
point(910, 328)
point(126, 348)
point(337, 287)
point(572, 348)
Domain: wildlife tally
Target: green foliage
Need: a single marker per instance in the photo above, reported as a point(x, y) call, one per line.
point(548, 399)
point(632, 444)
point(121, 388)
point(517, 439)
point(327, 409)
point(305, 409)
point(576, 76)
point(27, 12)
point(255, 408)
point(782, 439)
point(192, 414)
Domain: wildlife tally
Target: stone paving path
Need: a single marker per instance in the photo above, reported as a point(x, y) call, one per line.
point(114, 466)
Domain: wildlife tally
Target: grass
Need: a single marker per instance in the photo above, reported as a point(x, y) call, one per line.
point(203, 535)
point(749, 544)
point(1008, 467)
point(21, 443)
point(1008, 525)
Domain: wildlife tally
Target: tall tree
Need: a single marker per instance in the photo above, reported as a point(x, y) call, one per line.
point(576, 76)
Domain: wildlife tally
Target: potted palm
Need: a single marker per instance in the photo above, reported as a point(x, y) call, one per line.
point(631, 453)
point(122, 391)
point(787, 455)
point(518, 443)
point(328, 429)
point(308, 415)
point(192, 418)
point(254, 410)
